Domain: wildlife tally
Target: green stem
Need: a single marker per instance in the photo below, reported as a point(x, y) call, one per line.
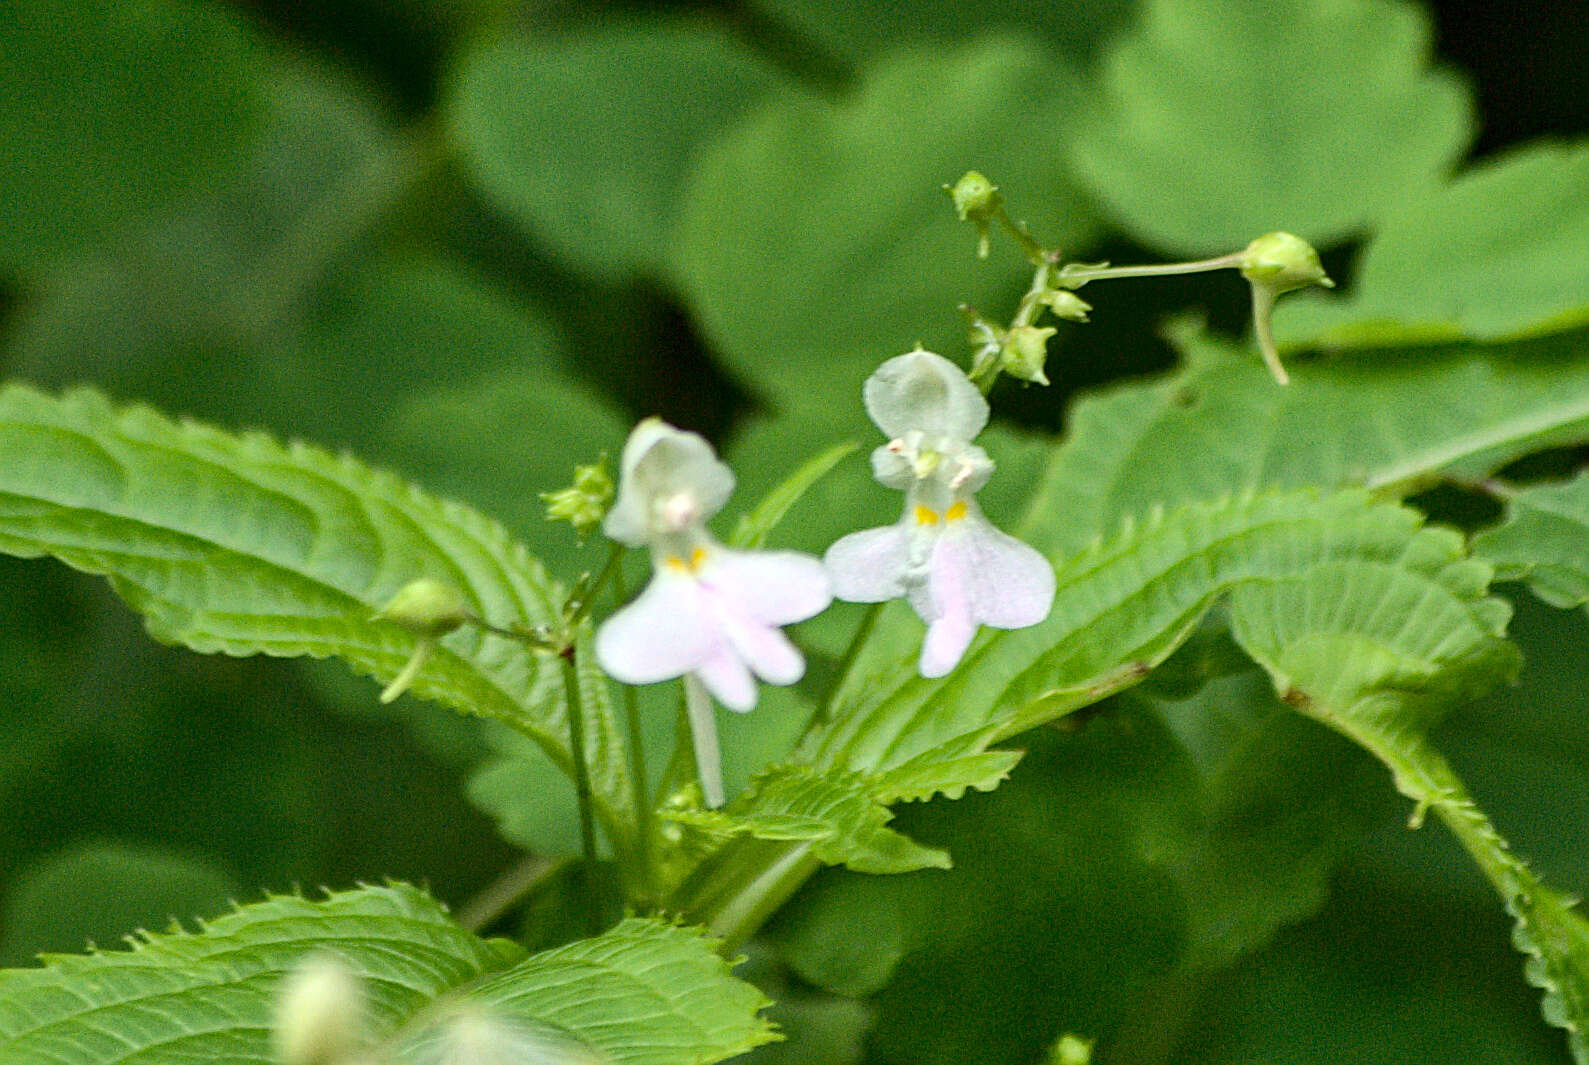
point(1263, 305)
point(1075, 275)
point(703, 736)
point(735, 891)
point(577, 609)
point(582, 790)
point(1029, 245)
point(645, 895)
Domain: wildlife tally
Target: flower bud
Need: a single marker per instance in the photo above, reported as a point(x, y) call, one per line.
point(1071, 1049)
point(1025, 351)
point(1066, 304)
point(426, 607)
point(1282, 262)
point(977, 201)
point(584, 503)
point(319, 1014)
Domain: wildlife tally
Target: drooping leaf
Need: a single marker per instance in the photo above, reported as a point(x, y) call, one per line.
point(1392, 422)
point(240, 545)
point(798, 227)
point(835, 814)
point(596, 173)
point(644, 992)
point(1368, 662)
point(120, 107)
point(1545, 541)
point(1497, 254)
point(1217, 122)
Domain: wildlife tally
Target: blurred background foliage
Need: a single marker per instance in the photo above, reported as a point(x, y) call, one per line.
point(472, 240)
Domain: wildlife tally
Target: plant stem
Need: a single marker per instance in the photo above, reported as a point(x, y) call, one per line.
point(1075, 275)
point(499, 896)
point(645, 896)
point(582, 791)
point(703, 735)
point(1263, 304)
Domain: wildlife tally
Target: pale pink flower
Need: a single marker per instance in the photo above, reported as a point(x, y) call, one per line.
point(948, 561)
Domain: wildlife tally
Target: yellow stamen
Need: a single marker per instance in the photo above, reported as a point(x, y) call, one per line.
point(926, 516)
point(690, 565)
point(956, 511)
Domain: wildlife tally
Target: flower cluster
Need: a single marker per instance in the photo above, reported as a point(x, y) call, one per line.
point(714, 613)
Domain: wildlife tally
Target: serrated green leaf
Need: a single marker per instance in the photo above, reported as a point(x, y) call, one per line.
point(645, 992)
point(240, 545)
point(1545, 541)
point(1392, 422)
point(129, 105)
point(802, 233)
point(1121, 607)
point(1365, 655)
point(1217, 122)
point(840, 816)
point(597, 174)
point(1497, 254)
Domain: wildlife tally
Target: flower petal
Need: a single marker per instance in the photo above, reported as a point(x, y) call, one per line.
point(771, 587)
point(1008, 584)
point(728, 679)
point(945, 644)
point(660, 461)
point(869, 566)
point(926, 392)
point(665, 633)
point(766, 650)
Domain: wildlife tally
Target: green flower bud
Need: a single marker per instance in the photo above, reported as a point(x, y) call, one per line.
point(975, 197)
point(426, 607)
point(1281, 262)
point(319, 1014)
point(1025, 351)
point(977, 201)
point(1066, 304)
point(1071, 1049)
point(584, 503)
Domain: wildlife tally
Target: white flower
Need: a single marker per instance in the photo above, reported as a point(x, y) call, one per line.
point(709, 610)
point(954, 567)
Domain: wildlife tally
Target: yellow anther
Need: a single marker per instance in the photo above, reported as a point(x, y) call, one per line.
point(956, 511)
point(689, 565)
point(926, 516)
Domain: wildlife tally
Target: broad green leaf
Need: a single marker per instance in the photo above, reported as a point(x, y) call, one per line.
point(1124, 605)
point(1497, 254)
point(1392, 422)
point(835, 814)
point(1372, 663)
point(644, 992)
point(1216, 122)
point(240, 545)
point(118, 108)
point(99, 892)
point(584, 140)
point(857, 33)
point(1545, 541)
point(803, 233)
